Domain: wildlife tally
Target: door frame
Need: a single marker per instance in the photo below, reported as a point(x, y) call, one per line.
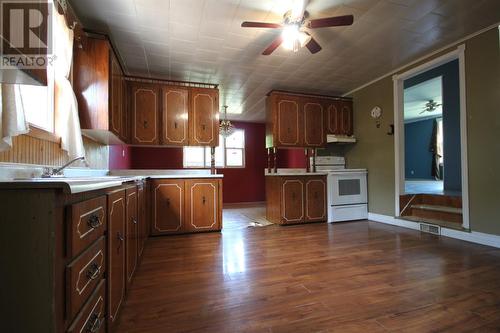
point(399, 135)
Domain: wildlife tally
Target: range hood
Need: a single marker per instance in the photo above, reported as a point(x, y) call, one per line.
point(332, 138)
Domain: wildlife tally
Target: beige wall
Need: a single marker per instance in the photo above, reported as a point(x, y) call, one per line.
point(375, 149)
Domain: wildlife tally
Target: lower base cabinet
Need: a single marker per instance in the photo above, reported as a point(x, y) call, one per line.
point(116, 251)
point(296, 199)
point(183, 206)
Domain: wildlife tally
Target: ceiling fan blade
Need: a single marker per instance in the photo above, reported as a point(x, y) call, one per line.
point(248, 24)
point(274, 45)
point(334, 21)
point(313, 46)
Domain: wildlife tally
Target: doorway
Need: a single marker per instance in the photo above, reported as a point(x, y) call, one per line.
point(430, 141)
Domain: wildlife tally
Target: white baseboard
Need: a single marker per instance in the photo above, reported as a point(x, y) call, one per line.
point(473, 236)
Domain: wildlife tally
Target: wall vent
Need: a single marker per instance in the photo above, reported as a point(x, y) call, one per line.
point(430, 228)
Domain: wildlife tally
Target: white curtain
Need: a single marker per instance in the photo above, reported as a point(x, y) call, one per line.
point(67, 124)
point(12, 119)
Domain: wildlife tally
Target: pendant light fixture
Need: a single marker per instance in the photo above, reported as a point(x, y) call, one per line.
point(226, 128)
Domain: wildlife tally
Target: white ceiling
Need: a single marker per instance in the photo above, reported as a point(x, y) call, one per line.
point(417, 96)
point(201, 40)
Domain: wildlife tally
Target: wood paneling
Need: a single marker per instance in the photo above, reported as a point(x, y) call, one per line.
point(29, 150)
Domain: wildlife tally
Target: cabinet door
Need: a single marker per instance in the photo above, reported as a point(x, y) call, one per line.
point(168, 207)
point(175, 104)
point(116, 101)
point(315, 199)
point(131, 239)
point(141, 212)
point(204, 117)
point(116, 252)
point(144, 120)
point(292, 191)
point(346, 116)
point(287, 120)
point(314, 133)
point(334, 125)
point(202, 205)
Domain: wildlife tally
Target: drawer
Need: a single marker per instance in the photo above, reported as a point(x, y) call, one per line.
point(83, 275)
point(87, 223)
point(92, 317)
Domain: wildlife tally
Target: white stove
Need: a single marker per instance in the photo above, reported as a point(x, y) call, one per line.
point(347, 189)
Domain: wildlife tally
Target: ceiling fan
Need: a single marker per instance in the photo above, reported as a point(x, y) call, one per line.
point(294, 34)
point(430, 106)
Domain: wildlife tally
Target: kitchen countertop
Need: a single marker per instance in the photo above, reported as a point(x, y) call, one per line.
point(73, 183)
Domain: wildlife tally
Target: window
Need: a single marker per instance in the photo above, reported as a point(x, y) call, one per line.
point(38, 103)
point(229, 154)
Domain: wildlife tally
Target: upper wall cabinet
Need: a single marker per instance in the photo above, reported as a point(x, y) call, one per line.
point(295, 120)
point(144, 103)
point(173, 115)
point(175, 108)
point(339, 117)
point(99, 85)
point(204, 117)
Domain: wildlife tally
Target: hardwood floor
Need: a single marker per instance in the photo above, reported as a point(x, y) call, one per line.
point(348, 277)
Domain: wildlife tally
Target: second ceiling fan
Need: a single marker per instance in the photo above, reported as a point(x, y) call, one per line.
point(294, 36)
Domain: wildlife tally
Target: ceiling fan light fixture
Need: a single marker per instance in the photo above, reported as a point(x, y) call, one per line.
point(293, 38)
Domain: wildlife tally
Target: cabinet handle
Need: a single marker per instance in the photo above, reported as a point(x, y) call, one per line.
point(93, 272)
point(120, 237)
point(168, 201)
point(288, 130)
point(134, 221)
point(93, 221)
point(204, 199)
point(175, 125)
point(95, 324)
point(145, 124)
point(203, 127)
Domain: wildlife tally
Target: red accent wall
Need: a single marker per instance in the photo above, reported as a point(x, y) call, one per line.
point(119, 157)
point(240, 184)
point(292, 158)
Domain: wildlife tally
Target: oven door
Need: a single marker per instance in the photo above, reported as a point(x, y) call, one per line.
point(347, 188)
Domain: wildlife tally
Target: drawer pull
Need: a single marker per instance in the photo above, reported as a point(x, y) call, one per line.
point(94, 324)
point(94, 271)
point(204, 199)
point(134, 220)
point(94, 221)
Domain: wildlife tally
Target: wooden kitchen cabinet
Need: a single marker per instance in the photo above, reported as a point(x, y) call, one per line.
point(174, 111)
point(314, 125)
point(116, 250)
point(315, 199)
point(181, 206)
point(142, 216)
point(339, 117)
point(167, 207)
point(296, 120)
point(98, 82)
point(296, 199)
point(292, 200)
point(204, 201)
point(132, 244)
point(144, 107)
point(204, 117)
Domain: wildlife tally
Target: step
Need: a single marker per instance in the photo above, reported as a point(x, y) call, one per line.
point(441, 223)
point(437, 208)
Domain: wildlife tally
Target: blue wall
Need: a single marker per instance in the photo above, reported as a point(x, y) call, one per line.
point(418, 158)
point(451, 120)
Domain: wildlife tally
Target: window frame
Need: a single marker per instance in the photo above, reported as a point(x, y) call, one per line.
point(222, 140)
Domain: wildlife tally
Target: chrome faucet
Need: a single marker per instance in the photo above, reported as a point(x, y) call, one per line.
point(54, 172)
